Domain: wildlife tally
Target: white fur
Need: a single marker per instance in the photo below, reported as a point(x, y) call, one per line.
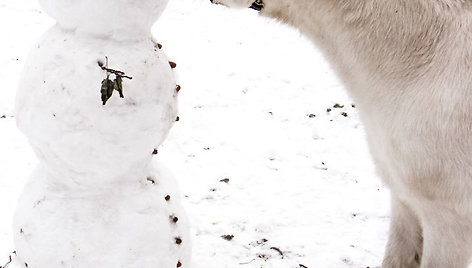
point(408, 65)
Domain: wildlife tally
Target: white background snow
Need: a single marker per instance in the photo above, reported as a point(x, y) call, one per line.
point(302, 189)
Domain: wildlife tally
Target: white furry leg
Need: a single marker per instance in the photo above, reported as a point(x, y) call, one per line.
point(447, 239)
point(405, 243)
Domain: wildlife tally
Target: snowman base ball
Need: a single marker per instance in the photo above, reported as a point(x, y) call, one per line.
point(136, 224)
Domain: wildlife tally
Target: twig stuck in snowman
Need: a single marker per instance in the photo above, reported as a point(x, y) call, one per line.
point(10, 260)
point(108, 86)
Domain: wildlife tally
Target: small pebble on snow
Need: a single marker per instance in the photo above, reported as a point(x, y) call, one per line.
point(151, 180)
point(178, 240)
point(227, 237)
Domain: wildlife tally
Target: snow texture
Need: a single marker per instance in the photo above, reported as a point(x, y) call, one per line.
point(254, 109)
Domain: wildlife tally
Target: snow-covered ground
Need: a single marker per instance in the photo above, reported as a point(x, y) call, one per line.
point(270, 178)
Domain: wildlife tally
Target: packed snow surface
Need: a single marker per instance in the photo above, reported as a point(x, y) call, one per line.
point(271, 173)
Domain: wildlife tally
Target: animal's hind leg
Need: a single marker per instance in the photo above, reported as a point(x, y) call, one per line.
point(447, 239)
point(405, 243)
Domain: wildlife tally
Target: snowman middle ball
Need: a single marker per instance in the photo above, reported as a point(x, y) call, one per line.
point(69, 125)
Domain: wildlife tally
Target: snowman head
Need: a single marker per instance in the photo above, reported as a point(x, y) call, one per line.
point(122, 19)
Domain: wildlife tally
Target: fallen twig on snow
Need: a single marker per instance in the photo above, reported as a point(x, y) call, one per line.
point(279, 251)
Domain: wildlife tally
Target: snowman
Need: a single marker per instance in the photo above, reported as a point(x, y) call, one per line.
point(96, 98)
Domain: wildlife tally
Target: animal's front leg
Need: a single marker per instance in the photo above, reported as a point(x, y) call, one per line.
point(405, 243)
point(447, 237)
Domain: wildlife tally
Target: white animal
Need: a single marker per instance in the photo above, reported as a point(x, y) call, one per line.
point(408, 66)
